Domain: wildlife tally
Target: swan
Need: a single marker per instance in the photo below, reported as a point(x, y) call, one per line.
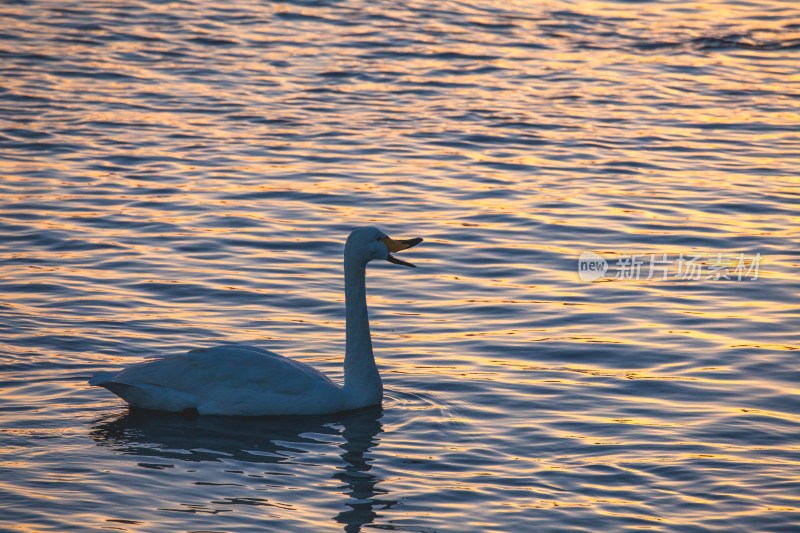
point(235, 379)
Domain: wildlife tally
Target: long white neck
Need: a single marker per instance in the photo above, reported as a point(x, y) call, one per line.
point(362, 383)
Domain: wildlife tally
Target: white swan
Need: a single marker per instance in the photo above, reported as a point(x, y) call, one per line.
point(234, 379)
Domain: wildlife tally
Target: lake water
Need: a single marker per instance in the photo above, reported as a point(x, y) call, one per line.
point(178, 175)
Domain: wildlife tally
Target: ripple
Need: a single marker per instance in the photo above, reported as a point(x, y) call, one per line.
point(177, 178)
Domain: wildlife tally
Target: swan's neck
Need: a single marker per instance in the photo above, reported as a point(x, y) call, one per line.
point(362, 383)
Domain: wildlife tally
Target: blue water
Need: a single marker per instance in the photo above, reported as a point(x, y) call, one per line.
point(177, 175)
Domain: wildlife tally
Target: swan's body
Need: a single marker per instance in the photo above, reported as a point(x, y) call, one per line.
point(235, 379)
point(228, 379)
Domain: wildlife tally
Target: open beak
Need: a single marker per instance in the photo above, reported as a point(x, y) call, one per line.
point(399, 245)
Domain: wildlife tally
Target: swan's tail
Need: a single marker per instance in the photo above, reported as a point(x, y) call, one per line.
point(147, 395)
point(101, 377)
point(123, 390)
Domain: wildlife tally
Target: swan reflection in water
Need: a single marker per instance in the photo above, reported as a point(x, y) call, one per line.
point(262, 440)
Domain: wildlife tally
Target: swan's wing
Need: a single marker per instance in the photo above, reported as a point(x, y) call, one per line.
point(231, 379)
point(230, 366)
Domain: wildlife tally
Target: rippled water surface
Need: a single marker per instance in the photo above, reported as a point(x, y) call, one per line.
point(176, 175)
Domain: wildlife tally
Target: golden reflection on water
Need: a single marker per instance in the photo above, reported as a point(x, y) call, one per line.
point(184, 193)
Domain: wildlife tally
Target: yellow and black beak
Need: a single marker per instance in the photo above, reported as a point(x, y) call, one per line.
point(398, 246)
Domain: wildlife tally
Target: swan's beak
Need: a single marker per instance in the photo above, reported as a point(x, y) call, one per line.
point(398, 246)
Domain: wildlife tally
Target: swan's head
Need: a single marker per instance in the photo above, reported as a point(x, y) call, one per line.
point(365, 244)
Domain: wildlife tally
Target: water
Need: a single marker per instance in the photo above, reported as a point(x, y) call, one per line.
point(177, 175)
